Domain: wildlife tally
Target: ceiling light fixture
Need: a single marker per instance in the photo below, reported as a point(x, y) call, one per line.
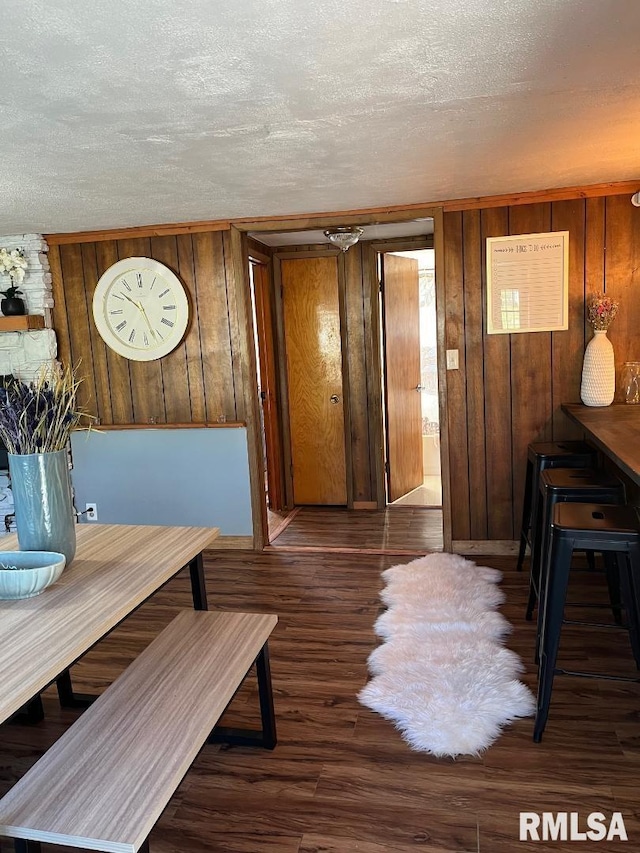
point(344, 237)
point(635, 199)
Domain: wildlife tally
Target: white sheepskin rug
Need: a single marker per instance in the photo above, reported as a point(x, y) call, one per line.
point(442, 674)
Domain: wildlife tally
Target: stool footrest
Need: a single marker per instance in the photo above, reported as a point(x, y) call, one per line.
point(595, 624)
point(566, 525)
point(583, 674)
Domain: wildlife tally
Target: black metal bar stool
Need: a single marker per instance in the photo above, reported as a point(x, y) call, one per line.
point(564, 485)
point(612, 530)
point(542, 455)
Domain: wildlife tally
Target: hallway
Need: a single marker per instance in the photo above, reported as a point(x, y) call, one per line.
point(394, 530)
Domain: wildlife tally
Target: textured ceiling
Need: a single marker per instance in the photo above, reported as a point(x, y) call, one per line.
point(138, 112)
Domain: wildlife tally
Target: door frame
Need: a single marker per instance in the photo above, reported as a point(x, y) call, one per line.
point(285, 255)
point(375, 389)
point(263, 293)
point(248, 403)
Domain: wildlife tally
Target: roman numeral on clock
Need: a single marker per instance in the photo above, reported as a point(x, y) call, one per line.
point(132, 336)
point(124, 282)
point(139, 279)
point(121, 326)
point(169, 323)
point(164, 293)
point(117, 311)
point(168, 307)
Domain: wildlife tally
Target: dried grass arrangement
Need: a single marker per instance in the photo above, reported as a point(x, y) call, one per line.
point(38, 417)
point(601, 311)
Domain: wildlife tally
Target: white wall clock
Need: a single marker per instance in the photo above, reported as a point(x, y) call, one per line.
point(140, 309)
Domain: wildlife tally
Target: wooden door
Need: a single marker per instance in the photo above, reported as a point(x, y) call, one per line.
point(401, 304)
point(311, 320)
point(268, 371)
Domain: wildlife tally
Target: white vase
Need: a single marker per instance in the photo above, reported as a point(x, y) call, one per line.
point(598, 371)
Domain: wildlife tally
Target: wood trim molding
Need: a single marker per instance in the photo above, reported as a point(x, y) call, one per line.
point(365, 505)
point(445, 467)
point(373, 338)
point(258, 252)
point(168, 230)
point(486, 547)
point(346, 390)
point(315, 221)
point(283, 382)
point(248, 380)
point(274, 532)
point(307, 252)
point(232, 543)
point(227, 425)
point(538, 196)
point(402, 244)
point(366, 216)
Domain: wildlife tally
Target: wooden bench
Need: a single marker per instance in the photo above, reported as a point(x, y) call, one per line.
point(105, 782)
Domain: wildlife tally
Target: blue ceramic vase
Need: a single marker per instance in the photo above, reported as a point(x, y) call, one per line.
point(45, 519)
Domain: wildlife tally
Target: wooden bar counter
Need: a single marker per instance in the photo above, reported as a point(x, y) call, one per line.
point(615, 430)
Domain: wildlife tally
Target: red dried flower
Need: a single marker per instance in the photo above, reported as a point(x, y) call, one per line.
point(601, 311)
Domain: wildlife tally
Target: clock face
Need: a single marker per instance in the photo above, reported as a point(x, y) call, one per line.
point(140, 309)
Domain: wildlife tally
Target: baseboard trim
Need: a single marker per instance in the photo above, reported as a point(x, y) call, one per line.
point(490, 547)
point(365, 505)
point(232, 543)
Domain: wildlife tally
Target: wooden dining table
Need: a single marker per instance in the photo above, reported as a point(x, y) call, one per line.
point(615, 430)
point(116, 568)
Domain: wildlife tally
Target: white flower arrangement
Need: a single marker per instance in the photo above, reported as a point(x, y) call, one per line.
point(14, 264)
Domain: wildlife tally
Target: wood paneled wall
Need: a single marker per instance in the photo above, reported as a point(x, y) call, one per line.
point(507, 392)
point(360, 355)
point(509, 388)
point(197, 382)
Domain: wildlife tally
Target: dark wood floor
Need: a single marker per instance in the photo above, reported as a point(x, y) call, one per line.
point(396, 529)
point(341, 779)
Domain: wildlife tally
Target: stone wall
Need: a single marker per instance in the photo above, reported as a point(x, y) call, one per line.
point(23, 354)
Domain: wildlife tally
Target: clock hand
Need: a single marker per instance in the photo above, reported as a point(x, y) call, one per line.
point(144, 314)
point(140, 308)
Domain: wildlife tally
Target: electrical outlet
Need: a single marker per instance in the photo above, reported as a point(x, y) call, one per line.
point(91, 511)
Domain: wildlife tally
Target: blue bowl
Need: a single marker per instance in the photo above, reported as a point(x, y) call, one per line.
point(24, 574)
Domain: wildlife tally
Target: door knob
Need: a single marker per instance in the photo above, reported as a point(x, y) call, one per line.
point(334, 398)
